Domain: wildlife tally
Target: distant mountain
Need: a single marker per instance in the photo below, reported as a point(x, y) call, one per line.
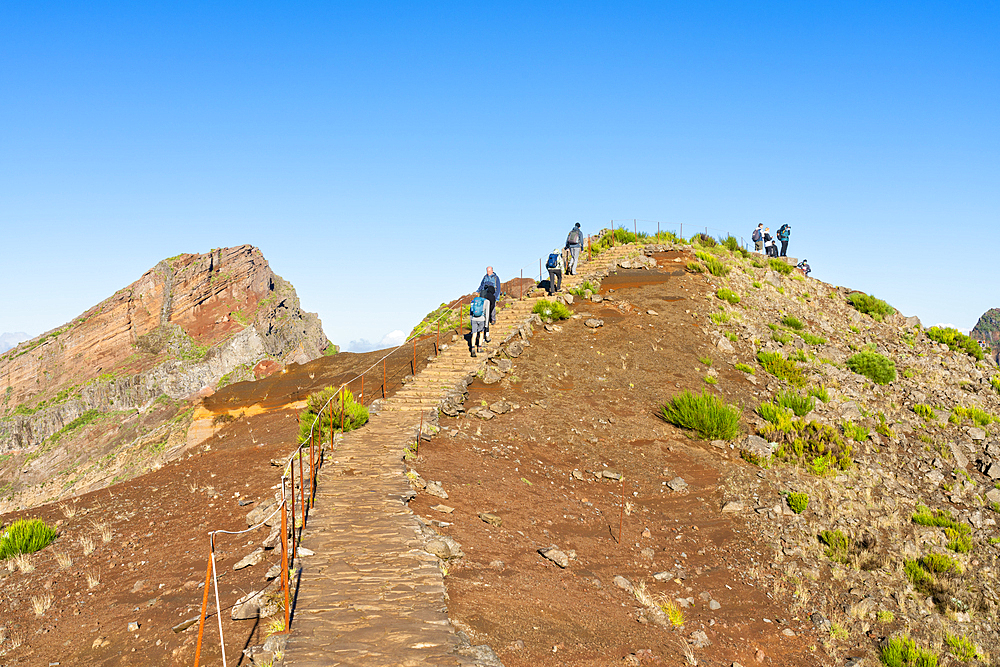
point(987, 329)
point(9, 340)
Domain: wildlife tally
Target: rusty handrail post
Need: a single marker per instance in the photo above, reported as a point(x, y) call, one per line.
point(383, 377)
point(342, 410)
point(291, 480)
point(284, 552)
point(302, 492)
point(204, 607)
point(312, 470)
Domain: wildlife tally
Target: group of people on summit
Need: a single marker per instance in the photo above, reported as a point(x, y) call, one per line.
point(482, 309)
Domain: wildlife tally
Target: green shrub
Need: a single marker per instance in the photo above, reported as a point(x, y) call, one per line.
point(731, 336)
point(757, 285)
point(551, 310)
point(995, 381)
point(817, 447)
point(956, 341)
point(781, 337)
point(798, 502)
point(925, 411)
point(918, 576)
point(885, 616)
point(743, 367)
point(798, 355)
point(979, 417)
point(782, 368)
point(792, 322)
point(854, 432)
point(877, 309)
point(874, 366)
point(713, 264)
point(355, 414)
point(25, 536)
point(838, 545)
point(731, 243)
point(820, 392)
point(903, 652)
point(811, 339)
point(962, 647)
point(779, 266)
point(882, 428)
point(581, 290)
point(720, 318)
point(695, 267)
point(707, 361)
point(940, 564)
point(711, 379)
point(729, 295)
point(800, 405)
point(956, 532)
point(705, 414)
point(704, 240)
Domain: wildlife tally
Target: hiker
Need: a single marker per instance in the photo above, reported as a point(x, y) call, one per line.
point(783, 233)
point(489, 288)
point(477, 322)
point(555, 266)
point(574, 243)
point(804, 265)
point(758, 237)
point(769, 246)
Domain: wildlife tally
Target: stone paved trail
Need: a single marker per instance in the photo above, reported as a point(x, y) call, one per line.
point(370, 595)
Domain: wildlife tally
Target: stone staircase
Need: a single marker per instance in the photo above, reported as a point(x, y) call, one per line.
point(370, 595)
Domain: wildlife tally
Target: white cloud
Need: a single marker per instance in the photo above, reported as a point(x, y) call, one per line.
point(391, 339)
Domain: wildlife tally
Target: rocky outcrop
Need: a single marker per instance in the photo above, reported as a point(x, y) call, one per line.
point(182, 327)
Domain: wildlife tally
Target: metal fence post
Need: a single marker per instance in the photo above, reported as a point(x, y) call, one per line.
point(204, 607)
point(284, 550)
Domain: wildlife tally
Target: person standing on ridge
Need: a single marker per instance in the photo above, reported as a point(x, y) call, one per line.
point(784, 232)
point(574, 243)
point(769, 248)
point(555, 266)
point(489, 288)
point(758, 237)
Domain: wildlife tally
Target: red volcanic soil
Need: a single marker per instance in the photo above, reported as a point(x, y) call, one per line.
point(152, 569)
point(586, 402)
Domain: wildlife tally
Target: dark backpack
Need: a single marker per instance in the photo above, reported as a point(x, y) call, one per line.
point(553, 261)
point(476, 307)
point(756, 236)
point(574, 237)
point(783, 233)
point(489, 290)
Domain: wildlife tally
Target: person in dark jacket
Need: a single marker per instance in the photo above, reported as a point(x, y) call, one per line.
point(804, 265)
point(574, 243)
point(784, 232)
point(489, 289)
point(769, 248)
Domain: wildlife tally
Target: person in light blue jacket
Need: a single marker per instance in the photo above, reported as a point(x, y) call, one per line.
point(489, 289)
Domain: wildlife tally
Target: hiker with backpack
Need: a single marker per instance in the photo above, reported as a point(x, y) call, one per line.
point(477, 323)
point(489, 288)
point(784, 232)
point(574, 243)
point(758, 237)
point(804, 265)
point(555, 265)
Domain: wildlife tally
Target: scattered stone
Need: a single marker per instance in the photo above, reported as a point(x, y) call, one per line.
point(699, 639)
point(138, 586)
point(439, 548)
point(577, 474)
point(515, 349)
point(733, 506)
point(934, 477)
point(611, 474)
point(500, 407)
point(623, 583)
point(133, 627)
point(757, 446)
point(248, 607)
point(251, 559)
point(302, 551)
point(652, 312)
point(976, 433)
point(505, 365)
point(663, 576)
point(647, 554)
point(788, 632)
point(714, 605)
point(491, 519)
point(273, 572)
point(443, 508)
point(435, 489)
point(555, 555)
point(597, 298)
point(492, 375)
point(594, 323)
point(273, 538)
point(631, 660)
point(677, 484)
point(180, 627)
point(259, 513)
point(724, 345)
point(993, 495)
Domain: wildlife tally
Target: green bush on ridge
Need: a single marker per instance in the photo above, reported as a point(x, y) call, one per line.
point(956, 341)
point(552, 310)
point(877, 309)
point(877, 368)
point(25, 536)
point(355, 415)
point(705, 414)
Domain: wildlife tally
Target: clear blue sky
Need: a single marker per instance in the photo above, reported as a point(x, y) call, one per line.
point(381, 154)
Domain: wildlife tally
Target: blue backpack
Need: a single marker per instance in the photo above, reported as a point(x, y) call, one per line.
point(553, 261)
point(476, 307)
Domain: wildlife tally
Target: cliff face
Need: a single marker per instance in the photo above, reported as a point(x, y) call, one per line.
point(186, 324)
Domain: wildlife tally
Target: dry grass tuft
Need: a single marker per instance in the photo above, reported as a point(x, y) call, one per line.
point(63, 559)
point(93, 579)
point(688, 653)
point(87, 544)
point(41, 603)
point(105, 531)
point(69, 511)
point(24, 564)
point(17, 639)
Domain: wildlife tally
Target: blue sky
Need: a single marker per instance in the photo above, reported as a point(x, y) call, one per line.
point(382, 154)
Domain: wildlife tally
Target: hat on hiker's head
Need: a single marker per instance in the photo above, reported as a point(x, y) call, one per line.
point(578, 224)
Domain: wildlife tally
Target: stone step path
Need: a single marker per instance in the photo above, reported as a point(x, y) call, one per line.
point(370, 595)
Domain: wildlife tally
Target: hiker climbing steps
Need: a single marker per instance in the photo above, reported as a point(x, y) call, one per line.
point(368, 594)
